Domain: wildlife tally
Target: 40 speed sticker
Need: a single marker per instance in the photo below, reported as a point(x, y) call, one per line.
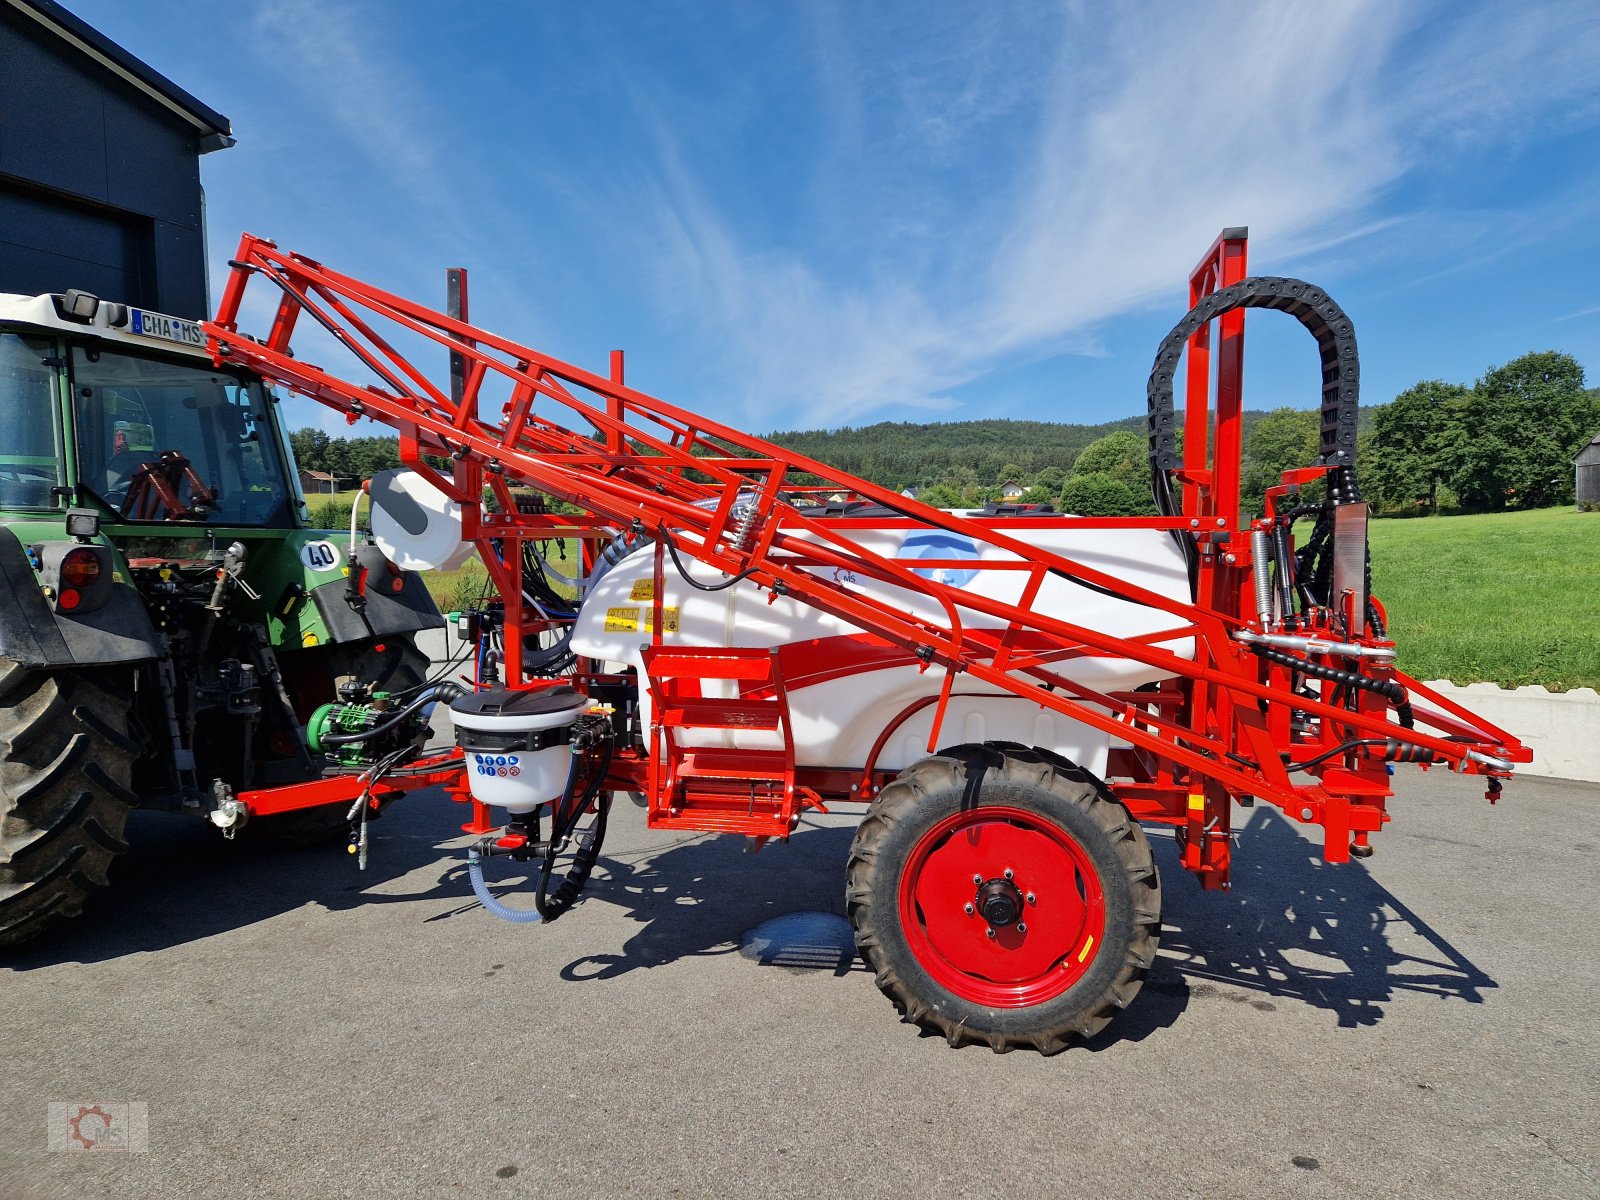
point(320, 556)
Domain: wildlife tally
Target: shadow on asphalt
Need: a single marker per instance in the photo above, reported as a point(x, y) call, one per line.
point(699, 896)
point(1296, 928)
point(1292, 929)
point(181, 882)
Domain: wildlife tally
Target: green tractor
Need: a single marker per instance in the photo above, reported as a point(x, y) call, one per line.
point(168, 622)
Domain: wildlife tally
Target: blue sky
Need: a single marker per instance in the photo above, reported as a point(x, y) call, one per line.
point(797, 215)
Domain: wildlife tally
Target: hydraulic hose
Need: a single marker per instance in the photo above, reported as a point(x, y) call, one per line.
point(446, 690)
point(588, 851)
point(1389, 689)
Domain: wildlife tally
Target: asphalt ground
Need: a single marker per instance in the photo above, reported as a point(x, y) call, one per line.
point(1424, 1024)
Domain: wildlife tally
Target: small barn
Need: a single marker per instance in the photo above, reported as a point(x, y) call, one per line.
point(318, 483)
point(1587, 467)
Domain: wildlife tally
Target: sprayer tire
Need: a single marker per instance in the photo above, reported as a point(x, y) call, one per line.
point(66, 761)
point(329, 823)
point(1085, 878)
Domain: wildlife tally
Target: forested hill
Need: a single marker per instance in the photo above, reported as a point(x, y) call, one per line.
point(904, 454)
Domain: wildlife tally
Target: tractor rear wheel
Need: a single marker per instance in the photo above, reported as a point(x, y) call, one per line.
point(405, 667)
point(66, 760)
point(1003, 895)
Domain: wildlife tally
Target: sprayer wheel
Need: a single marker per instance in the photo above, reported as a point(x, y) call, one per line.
point(66, 759)
point(330, 822)
point(1004, 896)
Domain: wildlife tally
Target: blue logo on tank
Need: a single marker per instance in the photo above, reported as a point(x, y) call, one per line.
point(938, 543)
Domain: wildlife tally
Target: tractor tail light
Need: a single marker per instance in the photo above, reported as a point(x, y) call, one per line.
point(79, 569)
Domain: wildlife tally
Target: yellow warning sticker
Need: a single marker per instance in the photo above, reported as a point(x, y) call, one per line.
point(1087, 946)
point(643, 589)
point(628, 620)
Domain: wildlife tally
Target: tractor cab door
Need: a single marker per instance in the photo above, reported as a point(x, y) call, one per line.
point(31, 458)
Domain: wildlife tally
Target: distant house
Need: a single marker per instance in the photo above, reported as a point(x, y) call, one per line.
point(1011, 490)
point(909, 493)
point(1587, 468)
point(318, 483)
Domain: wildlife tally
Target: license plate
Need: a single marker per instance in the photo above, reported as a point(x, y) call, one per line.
point(168, 329)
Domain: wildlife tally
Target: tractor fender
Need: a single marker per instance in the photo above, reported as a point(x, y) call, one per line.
point(119, 631)
point(406, 611)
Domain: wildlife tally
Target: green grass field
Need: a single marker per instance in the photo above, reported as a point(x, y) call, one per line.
point(1511, 598)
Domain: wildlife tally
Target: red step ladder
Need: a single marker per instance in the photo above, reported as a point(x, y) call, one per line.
point(723, 788)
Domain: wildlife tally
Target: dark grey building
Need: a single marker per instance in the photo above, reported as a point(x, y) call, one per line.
point(99, 167)
point(1587, 468)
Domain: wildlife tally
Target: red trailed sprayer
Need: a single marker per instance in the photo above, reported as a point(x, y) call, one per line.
point(1010, 695)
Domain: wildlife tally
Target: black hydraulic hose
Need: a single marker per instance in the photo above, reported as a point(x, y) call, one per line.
point(694, 583)
point(1389, 689)
point(550, 906)
point(447, 690)
point(1343, 748)
point(1374, 617)
point(1394, 750)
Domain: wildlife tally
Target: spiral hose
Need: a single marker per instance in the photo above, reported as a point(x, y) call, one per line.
point(480, 889)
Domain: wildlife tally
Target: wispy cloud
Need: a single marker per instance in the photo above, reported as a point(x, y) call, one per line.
point(336, 54)
point(1149, 131)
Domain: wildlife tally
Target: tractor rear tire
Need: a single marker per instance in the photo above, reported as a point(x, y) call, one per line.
point(1004, 896)
point(330, 823)
point(66, 761)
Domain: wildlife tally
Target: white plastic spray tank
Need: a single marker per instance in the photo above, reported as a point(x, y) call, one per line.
point(844, 687)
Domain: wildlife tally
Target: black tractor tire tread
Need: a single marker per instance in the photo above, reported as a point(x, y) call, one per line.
point(918, 998)
point(66, 759)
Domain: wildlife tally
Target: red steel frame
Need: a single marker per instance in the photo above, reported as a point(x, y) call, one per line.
point(1218, 730)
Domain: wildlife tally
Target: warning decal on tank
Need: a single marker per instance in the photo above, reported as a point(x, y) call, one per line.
point(627, 620)
point(643, 589)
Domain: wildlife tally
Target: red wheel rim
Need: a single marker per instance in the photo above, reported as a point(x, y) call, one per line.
point(1054, 941)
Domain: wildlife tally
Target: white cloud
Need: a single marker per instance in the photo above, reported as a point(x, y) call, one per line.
point(1154, 129)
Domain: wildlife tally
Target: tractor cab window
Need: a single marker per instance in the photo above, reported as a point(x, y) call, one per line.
point(30, 462)
point(162, 441)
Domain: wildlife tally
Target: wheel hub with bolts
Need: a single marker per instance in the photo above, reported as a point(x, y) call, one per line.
point(1000, 902)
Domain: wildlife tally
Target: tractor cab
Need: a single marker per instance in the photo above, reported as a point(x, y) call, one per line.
point(122, 410)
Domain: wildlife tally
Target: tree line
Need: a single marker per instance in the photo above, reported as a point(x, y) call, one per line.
point(348, 460)
point(1504, 441)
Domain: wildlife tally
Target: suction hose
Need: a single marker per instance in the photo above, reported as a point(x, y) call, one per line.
point(480, 889)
